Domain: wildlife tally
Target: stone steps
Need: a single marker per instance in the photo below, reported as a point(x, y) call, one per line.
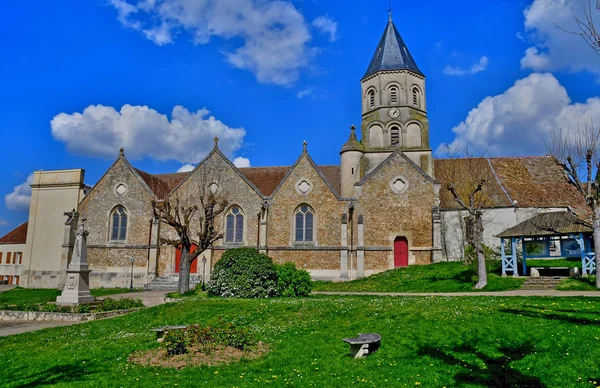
point(542, 283)
point(170, 282)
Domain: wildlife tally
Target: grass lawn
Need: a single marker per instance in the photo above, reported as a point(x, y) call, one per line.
point(426, 341)
point(438, 277)
point(578, 284)
point(569, 262)
point(43, 295)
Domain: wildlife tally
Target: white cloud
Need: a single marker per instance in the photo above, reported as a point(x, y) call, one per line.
point(186, 168)
point(267, 37)
point(240, 162)
point(520, 120)
point(474, 69)
point(552, 47)
point(307, 91)
point(3, 222)
point(327, 26)
point(21, 195)
point(186, 137)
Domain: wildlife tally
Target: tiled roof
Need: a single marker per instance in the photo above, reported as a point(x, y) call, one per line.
point(391, 53)
point(16, 236)
point(334, 176)
point(162, 184)
point(538, 181)
point(529, 181)
point(461, 170)
point(266, 179)
point(548, 224)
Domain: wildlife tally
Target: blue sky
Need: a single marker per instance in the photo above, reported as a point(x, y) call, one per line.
point(82, 78)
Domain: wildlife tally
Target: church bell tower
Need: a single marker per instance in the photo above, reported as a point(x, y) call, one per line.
point(394, 110)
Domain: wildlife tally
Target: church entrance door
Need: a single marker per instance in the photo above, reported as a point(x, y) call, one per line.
point(400, 252)
point(178, 260)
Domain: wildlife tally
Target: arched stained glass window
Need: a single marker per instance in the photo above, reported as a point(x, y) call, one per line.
point(304, 224)
point(118, 224)
point(234, 225)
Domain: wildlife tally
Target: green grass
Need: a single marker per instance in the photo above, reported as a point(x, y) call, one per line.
point(563, 262)
point(578, 284)
point(426, 341)
point(439, 277)
point(43, 295)
point(197, 292)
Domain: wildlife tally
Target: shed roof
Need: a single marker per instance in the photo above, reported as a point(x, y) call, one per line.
point(548, 224)
point(16, 236)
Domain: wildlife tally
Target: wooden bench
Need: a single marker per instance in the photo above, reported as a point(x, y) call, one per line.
point(160, 332)
point(363, 344)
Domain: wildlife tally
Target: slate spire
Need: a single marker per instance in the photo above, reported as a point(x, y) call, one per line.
point(392, 53)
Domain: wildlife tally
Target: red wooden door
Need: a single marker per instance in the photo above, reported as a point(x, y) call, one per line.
point(400, 252)
point(193, 268)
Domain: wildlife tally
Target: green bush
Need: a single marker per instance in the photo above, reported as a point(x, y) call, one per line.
point(244, 273)
point(292, 281)
point(178, 341)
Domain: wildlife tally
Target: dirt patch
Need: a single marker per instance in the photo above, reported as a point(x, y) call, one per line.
point(197, 356)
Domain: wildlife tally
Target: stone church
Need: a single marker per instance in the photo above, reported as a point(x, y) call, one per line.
point(384, 206)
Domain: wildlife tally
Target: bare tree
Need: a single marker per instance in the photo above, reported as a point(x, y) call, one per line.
point(587, 29)
point(194, 220)
point(579, 156)
point(467, 179)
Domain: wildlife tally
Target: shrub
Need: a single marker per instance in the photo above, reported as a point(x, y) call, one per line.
point(244, 273)
point(175, 342)
point(292, 281)
point(84, 308)
point(178, 341)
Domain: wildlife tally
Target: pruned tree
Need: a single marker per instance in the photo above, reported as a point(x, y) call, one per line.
point(578, 153)
point(467, 180)
point(194, 221)
point(585, 25)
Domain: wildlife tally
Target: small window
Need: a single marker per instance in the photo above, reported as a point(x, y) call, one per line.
point(8, 257)
point(415, 97)
point(20, 257)
point(393, 95)
point(0, 257)
point(395, 137)
point(234, 225)
point(119, 224)
point(372, 99)
point(304, 224)
point(17, 279)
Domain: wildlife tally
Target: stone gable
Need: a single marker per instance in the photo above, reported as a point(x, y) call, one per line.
point(327, 210)
point(397, 211)
point(97, 207)
point(238, 192)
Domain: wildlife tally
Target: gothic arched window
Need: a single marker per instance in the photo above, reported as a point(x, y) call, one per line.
point(304, 224)
point(415, 92)
point(234, 225)
point(393, 95)
point(395, 136)
point(118, 222)
point(372, 99)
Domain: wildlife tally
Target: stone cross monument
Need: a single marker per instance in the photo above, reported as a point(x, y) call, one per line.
point(77, 283)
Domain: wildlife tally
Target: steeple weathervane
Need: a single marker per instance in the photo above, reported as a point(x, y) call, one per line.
point(390, 10)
